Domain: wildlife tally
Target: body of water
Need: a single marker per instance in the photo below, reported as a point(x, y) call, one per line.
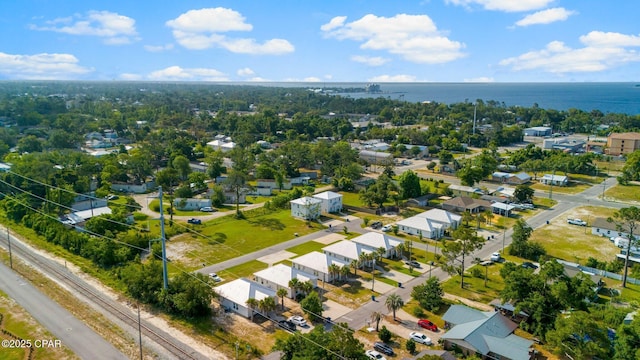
point(606, 97)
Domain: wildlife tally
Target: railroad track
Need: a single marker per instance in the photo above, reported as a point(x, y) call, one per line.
point(55, 270)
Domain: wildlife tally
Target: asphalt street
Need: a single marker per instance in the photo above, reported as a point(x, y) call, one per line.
point(73, 333)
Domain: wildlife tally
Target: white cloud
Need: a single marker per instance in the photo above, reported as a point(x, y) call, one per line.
point(201, 29)
point(504, 5)
point(116, 29)
point(158, 48)
point(176, 73)
point(336, 22)
point(311, 79)
point(41, 66)
point(481, 79)
point(602, 51)
point(245, 72)
point(370, 60)
point(413, 37)
point(393, 78)
point(606, 39)
point(258, 79)
point(546, 16)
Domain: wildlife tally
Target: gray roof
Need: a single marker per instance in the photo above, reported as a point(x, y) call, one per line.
point(485, 332)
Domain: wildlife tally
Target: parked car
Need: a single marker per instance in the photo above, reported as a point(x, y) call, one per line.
point(529, 265)
point(215, 277)
point(420, 338)
point(372, 354)
point(578, 222)
point(413, 264)
point(287, 325)
point(298, 320)
point(207, 209)
point(194, 221)
point(495, 257)
point(383, 348)
point(387, 228)
point(376, 225)
point(426, 324)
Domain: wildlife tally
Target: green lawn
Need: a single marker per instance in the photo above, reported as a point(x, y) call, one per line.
point(227, 237)
point(243, 270)
point(307, 247)
point(624, 193)
point(474, 288)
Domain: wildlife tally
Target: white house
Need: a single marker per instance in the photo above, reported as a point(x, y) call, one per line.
point(306, 208)
point(601, 227)
point(222, 144)
point(191, 204)
point(234, 295)
point(555, 180)
point(345, 251)
point(331, 201)
point(461, 190)
point(317, 263)
point(431, 224)
point(78, 218)
point(373, 241)
point(417, 225)
point(278, 276)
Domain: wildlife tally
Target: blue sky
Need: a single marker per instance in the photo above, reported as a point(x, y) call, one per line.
point(324, 41)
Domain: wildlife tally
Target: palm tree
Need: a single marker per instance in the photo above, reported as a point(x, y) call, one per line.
point(294, 284)
point(380, 252)
point(267, 305)
point(344, 271)
point(306, 287)
point(333, 271)
point(466, 217)
point(393, 303)
point(488, 214)
point(354, 265)
point(479, 217)
point(362, 257)
point(282, 292)
point(400, 249)
point(252, 304)
point(376, 317)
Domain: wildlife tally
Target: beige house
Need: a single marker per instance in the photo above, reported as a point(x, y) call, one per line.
point(622, 143)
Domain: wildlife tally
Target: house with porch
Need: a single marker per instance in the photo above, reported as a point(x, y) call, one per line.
point(317, 264)
point(278, 276)
point(555, 180)
point(346, 251)
point(488, 334)
point(430, 224)
point(464, 203)
point(372, 241)
point(601, 227)
point(234, 295)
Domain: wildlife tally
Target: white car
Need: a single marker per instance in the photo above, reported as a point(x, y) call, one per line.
point(298, 320)
point(372, 354)
point(420, 338)
point(495, 257)
point(577, 222)
point(387, 228)
point(215, 277)
point(207, 209)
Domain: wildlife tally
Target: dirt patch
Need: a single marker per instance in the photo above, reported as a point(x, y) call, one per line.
point(180, 248)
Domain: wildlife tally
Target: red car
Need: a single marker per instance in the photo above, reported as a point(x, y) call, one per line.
point(427, 325)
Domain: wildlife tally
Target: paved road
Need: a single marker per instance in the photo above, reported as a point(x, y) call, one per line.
point(73, 333)
point(358, 317)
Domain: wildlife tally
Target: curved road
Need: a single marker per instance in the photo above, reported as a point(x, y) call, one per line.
point(73, 333)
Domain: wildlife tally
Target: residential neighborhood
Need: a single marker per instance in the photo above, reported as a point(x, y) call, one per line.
point(380, 240)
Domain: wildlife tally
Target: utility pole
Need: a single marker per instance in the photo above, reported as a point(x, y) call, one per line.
point(504, 235)
point(9, 243)
point(139, 331)
point(373, 274)
point(165, 277)
point(553, 176)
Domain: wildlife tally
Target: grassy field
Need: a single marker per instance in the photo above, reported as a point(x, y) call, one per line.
point(227, 237)
point(576, 243)
point(474, 288)
point(307, 247)
point(624, 193)
point(243, 270)
point(571, 188)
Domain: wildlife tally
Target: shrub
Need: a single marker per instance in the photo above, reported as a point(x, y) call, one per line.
point(384, 334)
point(476, 272)
point(411, 346)
point(417, 312)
